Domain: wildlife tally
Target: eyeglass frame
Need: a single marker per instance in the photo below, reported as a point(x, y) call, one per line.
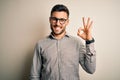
point(61, 20)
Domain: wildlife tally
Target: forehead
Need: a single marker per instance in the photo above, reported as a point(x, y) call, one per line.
point(59, 14)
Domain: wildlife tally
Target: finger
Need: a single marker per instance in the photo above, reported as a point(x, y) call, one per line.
point(90, 26)
point(80, 31)
point(84, 22)
point(88, 22)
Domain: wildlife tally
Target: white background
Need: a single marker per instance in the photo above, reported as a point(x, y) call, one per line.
point(24, 22)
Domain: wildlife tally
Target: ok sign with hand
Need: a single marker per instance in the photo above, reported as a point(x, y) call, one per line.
point(85, 32)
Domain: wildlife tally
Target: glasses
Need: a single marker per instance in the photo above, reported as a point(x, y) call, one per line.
point(61, 20)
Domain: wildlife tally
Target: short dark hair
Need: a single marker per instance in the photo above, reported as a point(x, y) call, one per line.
point(59, 8)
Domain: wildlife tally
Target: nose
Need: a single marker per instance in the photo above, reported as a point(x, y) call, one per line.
point(57, 22)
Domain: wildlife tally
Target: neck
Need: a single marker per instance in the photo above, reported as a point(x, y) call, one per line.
point(59, 36)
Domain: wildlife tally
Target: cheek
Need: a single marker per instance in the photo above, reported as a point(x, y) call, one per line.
point(51, 25)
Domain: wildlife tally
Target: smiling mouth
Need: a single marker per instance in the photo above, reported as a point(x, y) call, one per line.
point(57, 28)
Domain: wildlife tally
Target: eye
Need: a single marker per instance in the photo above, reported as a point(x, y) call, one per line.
point(53, 18)
point(62, 20)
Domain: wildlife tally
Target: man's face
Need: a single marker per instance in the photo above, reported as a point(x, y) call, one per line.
point(58, 22)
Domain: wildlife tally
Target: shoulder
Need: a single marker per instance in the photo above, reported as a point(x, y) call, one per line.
point(77, 40)
point(74, 38)
point(43, 41)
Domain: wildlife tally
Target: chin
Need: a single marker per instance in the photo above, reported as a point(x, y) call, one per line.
point(57, 32)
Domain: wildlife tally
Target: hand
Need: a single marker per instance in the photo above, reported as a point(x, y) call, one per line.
point(85, 32)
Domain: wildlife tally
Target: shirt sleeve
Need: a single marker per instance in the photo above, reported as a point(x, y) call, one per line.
point(36, 65)
point(87, 57)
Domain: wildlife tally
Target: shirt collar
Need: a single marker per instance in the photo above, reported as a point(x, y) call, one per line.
point(66, 35)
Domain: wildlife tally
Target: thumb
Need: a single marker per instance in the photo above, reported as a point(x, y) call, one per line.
point(80, 31)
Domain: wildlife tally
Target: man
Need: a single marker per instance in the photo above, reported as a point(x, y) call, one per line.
point(57, 57)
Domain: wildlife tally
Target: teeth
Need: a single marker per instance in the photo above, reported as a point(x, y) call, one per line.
point(57, 28)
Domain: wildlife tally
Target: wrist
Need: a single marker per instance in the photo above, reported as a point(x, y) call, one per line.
point(90, 41)
point(89, 37)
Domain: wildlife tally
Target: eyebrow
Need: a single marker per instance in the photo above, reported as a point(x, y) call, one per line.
point(58, 18)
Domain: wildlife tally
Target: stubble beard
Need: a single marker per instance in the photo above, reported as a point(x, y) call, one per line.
point(57, 33)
